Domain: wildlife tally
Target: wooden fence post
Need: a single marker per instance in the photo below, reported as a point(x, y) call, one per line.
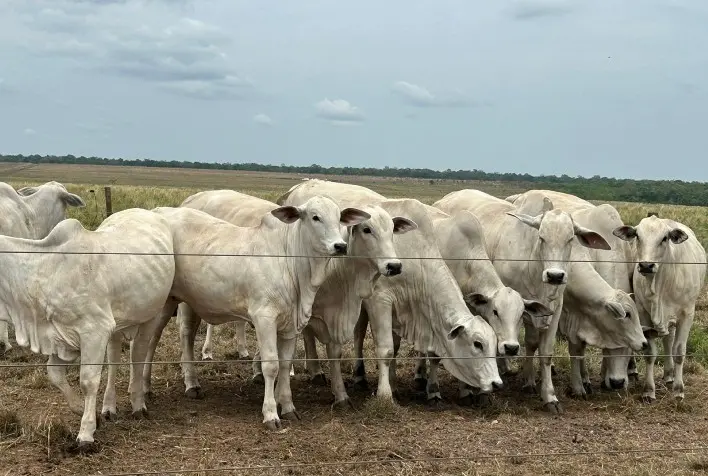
point(109, 204)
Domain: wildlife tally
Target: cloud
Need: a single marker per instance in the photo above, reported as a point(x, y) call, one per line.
point(263, 119)
point(180, 55)
point(339, 112)
point(30, 132)
point(531, 9)
point(419, 96)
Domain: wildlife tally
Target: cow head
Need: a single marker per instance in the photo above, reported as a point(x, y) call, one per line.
point(473, 337)
point(505, 310)
point(614, 372)
point(556, 233)
point(50, 201)
point(653, 238)
point(373, 239)
point(321, 220)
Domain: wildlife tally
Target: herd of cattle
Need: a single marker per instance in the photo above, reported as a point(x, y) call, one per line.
point(327, 260)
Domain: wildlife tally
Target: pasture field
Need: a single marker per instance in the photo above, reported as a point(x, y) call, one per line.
point(511, 436)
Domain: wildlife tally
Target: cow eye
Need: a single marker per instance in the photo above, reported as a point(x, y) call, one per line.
point(315, 218)
point(495, 313)
point(478, 345)
point(367, 230)
point(627, 315)
point(663, 240)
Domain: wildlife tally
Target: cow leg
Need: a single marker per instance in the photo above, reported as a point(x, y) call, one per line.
point(632, 373)
point(530, 346)
point(577, 361)
point(683, 328)
point(649, 394)
point(207, 351)
point(109, 411)
point(4, 337)
point(393, 366)
point(341, 399)
point(240, 338)
point(93, 353)
point(380, 314)
point(433, 385)
point(188, 325)
point(359, 336)
point(669, 356)
point(164, 318)
point(317, 376)
point(57, 377)
point(257, 368)
point(545, 351)
point(138, 355)
point(420, 380)
point(584, 375)
point(268, 348)
point(286, 351)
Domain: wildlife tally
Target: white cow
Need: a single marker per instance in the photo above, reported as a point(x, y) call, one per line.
point(547, 239)
point(70, 305)
point(338, 301)
point(275, 292)
point(424, 304)
point(668, 279)
point(32, 212)
point(605, 281)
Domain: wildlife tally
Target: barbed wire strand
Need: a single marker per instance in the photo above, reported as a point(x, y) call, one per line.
point(244, 255)
point(340, 359)
point(430, 460)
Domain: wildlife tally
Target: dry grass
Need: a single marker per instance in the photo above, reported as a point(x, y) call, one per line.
point(224, 430)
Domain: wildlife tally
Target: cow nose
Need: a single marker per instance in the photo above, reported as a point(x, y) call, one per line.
point(497, 385)
point(646, 267)
point(645, 346)
point(555, 277)
point(394, 268)
point(340, 248)
point(511, 349)
point(617, 383)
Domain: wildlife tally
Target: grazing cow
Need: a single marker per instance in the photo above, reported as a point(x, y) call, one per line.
point(547, 241)
point(66, 306)
point(607, 281)
point(275, 293)
point(338, 301)
point(668, 279)
point(424, 304)
point(32, 212)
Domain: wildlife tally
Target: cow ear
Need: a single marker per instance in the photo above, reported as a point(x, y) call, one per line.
point(72, 200)
point(353, 216)
point(591, 239)
point(536, 309)
point(287, 214)
point(455, 332)
point(476, 301)
point(625, 232)
point(534, 222)
point(677, 235)
point(403, 225)
point(652, 214)
point(649, 332)
point(27, 191)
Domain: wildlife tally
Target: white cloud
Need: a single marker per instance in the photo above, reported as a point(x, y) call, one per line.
point(263, 119)
point(29, 132)
point(419, 96)
point(339, 111)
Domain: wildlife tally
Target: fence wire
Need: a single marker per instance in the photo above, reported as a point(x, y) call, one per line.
point(563, 454)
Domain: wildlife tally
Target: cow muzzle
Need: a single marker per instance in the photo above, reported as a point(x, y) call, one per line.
point(340, 248)
point(646, 268)
point(555, 277)
point(394, 268)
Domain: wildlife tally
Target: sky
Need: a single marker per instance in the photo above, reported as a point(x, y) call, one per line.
point(606, 87)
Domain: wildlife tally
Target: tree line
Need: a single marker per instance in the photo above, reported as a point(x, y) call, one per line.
point(677, 192)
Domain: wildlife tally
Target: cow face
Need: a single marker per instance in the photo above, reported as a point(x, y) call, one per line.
point(321, 220)
point(373, 239)
point(653, 239)
point(504, 310)
point(556, 236)
point(613, 323)
point(472, 337)
point(50, 202)
point(615, 375)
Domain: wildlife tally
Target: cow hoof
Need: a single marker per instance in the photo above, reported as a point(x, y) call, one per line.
point(434, 403)
point(420, 384)
point(141, 414)
point(109, 416)
point(588, 388)
point(648, 399)
point(258, 379)
point(484, 400)
point(554, 408)
point(529, 389)
point(244, 356)
point(319, 380)
point(273, 425)
point(207, 357)
point(86, 447)
point(511, 372)
point(149, 396)
point(343, 405)
point(291, 416)
point(466, 401)
point(362, 385)
point(195, 393)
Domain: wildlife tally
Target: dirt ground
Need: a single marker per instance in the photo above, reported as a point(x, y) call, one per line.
point(224, 431)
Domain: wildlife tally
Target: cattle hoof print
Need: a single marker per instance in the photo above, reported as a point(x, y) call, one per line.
point(195, 393)
point(319, 380)
point(420, 384)
point(258, 379)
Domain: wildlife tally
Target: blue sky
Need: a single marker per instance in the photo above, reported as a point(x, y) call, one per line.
point(615, 88)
